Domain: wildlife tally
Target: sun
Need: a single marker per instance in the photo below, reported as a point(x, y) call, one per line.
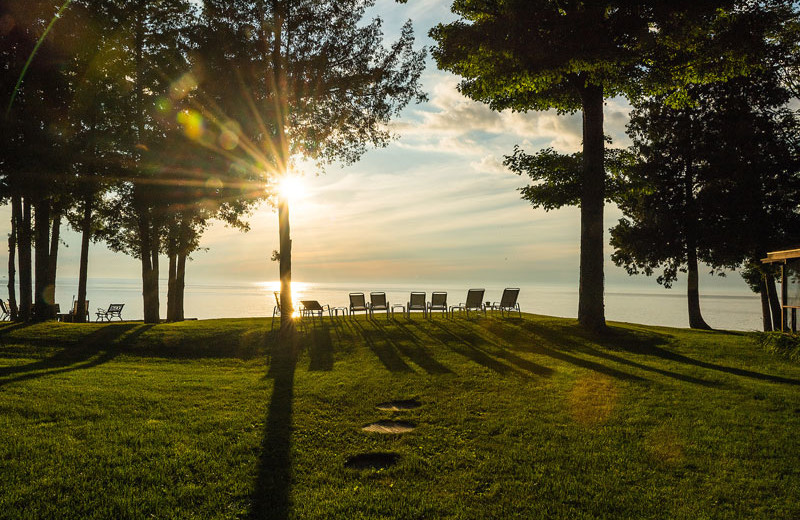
point(292, 188)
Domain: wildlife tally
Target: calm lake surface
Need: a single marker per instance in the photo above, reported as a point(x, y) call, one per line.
point(740, 310)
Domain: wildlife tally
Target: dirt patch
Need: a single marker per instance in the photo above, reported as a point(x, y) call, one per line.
point(388, 427)
point(372, 461)
point(399, 406)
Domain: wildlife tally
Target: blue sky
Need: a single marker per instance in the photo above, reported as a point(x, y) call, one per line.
point(435, 205)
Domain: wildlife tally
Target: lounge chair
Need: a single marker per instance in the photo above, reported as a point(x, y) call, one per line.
point(313, 308)
point(438, 303)
point(377, 302)
point(276, 310)
point(474, 302)
point(508, 302)
point(114, 311)
point(358, 303)
point(5, 313)
point(416, 302)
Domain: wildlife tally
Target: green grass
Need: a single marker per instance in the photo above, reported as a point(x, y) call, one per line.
point(527, 418)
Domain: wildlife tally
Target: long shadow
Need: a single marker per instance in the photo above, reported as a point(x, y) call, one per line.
point(416, 352)
point(99, 347)
point(270, 498)
point(468, 347)
point(502, 352)
point(614, 340)
point(384, 350)
point(320, 349)
point(649, 344)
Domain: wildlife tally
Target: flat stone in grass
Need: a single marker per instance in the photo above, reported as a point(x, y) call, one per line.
point(378, 460)
point(389, 427)
point(399, 406)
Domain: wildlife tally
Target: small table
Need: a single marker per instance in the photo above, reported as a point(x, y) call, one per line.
point(334, 311)
point(398, 306)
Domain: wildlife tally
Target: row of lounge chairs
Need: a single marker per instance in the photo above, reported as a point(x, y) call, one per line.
point(417, 301)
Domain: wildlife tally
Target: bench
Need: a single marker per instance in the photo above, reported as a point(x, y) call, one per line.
point(114, 311)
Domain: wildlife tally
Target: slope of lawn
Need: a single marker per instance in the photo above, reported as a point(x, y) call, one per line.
point(518, 418)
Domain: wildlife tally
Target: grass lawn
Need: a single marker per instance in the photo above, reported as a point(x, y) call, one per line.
point(518, 418)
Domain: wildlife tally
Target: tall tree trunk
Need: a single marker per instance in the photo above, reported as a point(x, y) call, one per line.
point(285, 269)
point(24, 231)
point(774, 302)
point(149, 270)
point(696, 320)
point(172, 285)
point(180, 286)
point(83, 270)
point(16, 217)
point(766, 314)
point(42, 259)
point(52, 264)
point(591, 311)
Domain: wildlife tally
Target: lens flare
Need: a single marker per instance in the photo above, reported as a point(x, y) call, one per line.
point(291, 188)
point(192, 123)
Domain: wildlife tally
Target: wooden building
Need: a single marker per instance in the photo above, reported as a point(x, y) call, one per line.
point(790, 284)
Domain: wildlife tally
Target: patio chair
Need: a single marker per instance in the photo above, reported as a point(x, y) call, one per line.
point(5, 313)
point(276, 310)
point(313, 308)
point(438, 303)
point(358, 303)
point(474, 302)
point(114, 311)
point(377, 302)
point(508, 302)
point(416, 302)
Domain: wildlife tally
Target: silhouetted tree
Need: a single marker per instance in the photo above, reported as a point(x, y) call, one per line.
point(305, 80)
point(569, 55)
point(717, 182)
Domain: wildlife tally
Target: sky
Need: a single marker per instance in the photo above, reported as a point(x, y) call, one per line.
point(435, 205)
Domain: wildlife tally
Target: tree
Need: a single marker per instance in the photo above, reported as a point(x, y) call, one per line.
point(716, 182)
point(36, 97)
point(315, 83)
point(570, 55)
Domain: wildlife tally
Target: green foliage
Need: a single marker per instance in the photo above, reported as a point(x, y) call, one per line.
point(780, 343)
point(557, 177)
point(722, 176)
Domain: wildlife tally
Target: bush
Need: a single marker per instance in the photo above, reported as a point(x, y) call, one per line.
point(787, 345)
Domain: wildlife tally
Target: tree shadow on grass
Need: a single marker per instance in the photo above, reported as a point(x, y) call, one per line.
point(467, 344)
point(96, 348)
point(572, 339)
point(270, 498)
point(647, 343)
point(319, 343)
point(415, 351)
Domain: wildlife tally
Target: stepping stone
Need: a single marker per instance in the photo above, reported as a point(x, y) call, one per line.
point(389, 427)
point(399, 406)
point(372, 461)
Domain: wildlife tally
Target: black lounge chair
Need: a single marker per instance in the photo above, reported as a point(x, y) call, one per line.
point(508, 302)
point(438, 303)
point(358, 303)
point(114, 311)
point(474, 302)
point(312, 308)
point(377, 302)
point(5, 313)
point(416, 302)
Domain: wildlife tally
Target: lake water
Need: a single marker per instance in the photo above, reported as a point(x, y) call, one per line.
point(655, 306)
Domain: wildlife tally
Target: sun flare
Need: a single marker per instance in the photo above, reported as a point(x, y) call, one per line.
point(292, 188)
